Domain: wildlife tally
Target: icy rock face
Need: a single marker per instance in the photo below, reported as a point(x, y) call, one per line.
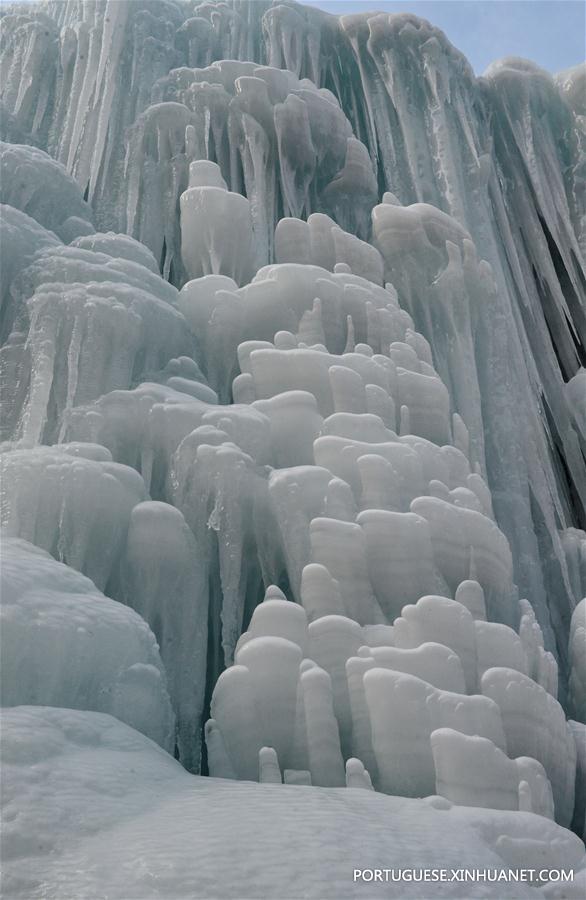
point(364, 406)
point(65, 644)
point(434, 135)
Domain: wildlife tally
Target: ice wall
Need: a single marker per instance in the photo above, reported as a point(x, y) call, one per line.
point(305, 112)
point(329, 356)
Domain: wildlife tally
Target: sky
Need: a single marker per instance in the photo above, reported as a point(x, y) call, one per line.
point(552, 33)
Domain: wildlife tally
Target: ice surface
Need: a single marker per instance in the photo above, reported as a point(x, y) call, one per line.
point(65, 644)
point(43, 189)
point(578, 661)
point(535, 725)
point(472, 771)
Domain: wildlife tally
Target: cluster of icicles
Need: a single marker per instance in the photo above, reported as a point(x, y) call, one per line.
point(302, 411)
point(405, 661)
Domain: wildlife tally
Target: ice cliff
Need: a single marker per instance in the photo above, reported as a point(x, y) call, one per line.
point(294, 398)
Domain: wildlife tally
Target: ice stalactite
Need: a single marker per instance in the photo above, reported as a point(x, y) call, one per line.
point(22, 237)
point(155, 172)
point(162, 579)
point(285, 145)
point(117, 321)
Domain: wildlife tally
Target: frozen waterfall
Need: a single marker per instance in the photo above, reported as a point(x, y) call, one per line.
point(293, 391)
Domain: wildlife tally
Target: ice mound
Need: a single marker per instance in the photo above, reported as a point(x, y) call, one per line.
point(43, 189)
point(111, 808)
point(140, 552)
point(65, 644)
point(403, 709)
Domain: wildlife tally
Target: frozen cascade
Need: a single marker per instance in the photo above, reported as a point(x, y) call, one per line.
point(284, 144)
point(274, 331)
point(207, 81)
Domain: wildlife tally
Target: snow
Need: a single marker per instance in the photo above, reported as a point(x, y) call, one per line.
point(110, 813)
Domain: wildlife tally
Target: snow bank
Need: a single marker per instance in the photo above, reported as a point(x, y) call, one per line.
point(111, 809)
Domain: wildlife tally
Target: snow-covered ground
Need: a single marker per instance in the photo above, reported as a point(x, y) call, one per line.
point(93, 809)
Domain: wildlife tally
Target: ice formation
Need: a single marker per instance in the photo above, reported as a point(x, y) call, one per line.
point(65, 644)
point(293, 386)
